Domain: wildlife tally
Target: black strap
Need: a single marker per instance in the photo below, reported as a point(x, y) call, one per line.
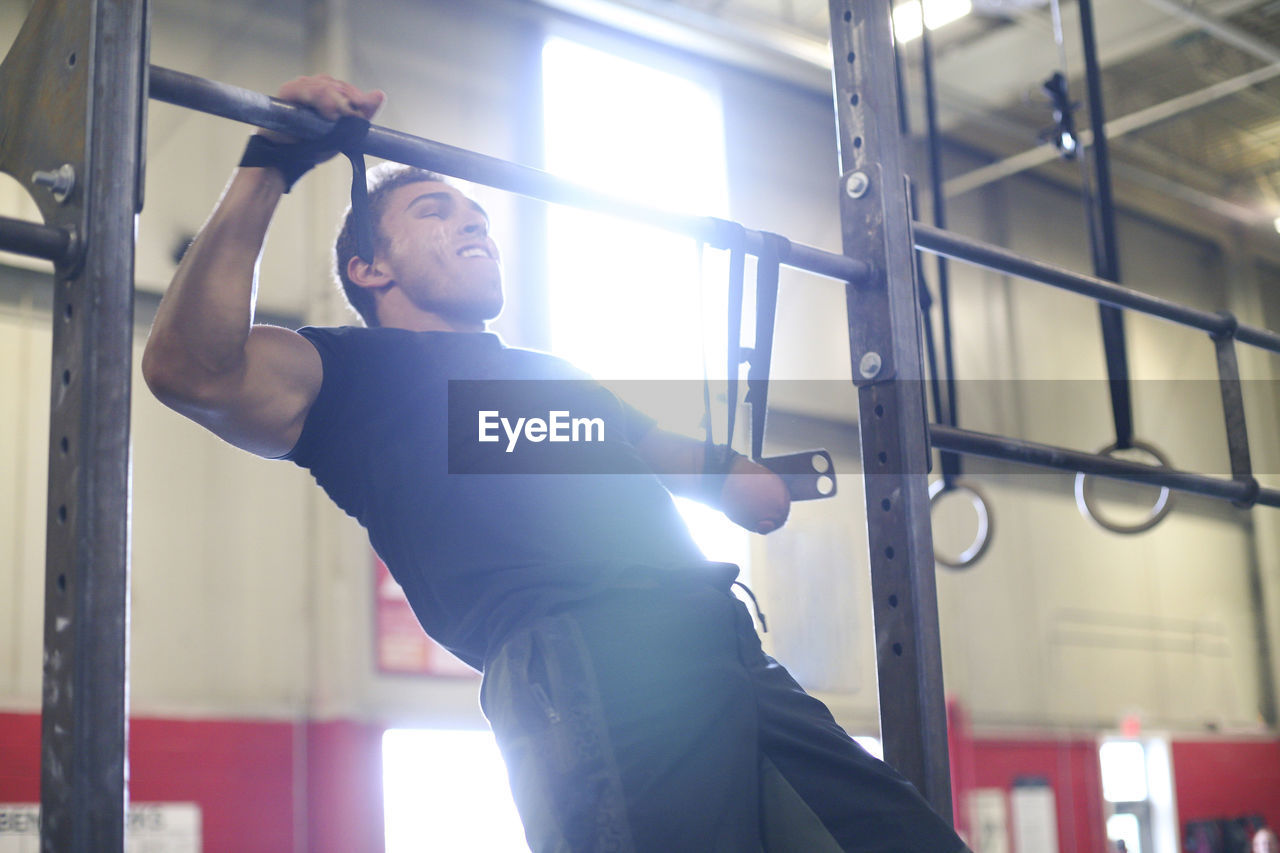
point(707, 427)
point(360, 216)
point(718, 459)
point(944, 409)
point(294, 159)
point(733, 236)
point(774, 250)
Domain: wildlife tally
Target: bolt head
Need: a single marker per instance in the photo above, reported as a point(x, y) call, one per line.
point(857, 185)
point(59, 183)
point(870, 365)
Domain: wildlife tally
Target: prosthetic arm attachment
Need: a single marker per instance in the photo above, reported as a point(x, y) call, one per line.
point(810, 474)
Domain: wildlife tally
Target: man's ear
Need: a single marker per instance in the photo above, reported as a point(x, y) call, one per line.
point(365, 274)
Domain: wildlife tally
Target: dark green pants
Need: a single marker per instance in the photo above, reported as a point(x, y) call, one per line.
point(648, 719)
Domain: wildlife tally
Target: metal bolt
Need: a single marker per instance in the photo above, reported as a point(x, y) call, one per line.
point(870, 365)
point(858, 185)
point(60, 183)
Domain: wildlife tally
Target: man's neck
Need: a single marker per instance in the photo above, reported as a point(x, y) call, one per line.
point(427, 321)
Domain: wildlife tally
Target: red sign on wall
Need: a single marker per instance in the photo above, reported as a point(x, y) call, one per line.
point(400, 644)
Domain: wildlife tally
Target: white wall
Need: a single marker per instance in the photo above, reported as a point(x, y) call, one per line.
point(252, 595)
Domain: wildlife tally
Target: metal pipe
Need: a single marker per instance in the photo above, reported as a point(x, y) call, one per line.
point(1063, 459)
point(34, 239)
point(242, 105)
point(1001, 260)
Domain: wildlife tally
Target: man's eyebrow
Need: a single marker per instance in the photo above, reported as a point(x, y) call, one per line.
point(446, 196)
point(438, 195)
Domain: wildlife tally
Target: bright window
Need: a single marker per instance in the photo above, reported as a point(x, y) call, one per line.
point(1126, 828)
point(446, 790)
point(1124, 771)
point(625, 299)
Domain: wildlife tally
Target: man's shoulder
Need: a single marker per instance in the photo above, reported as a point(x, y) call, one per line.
point(353, 341)
point(349, 333)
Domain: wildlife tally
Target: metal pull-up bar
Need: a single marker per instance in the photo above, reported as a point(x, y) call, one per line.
point(1064, 459)
point(1002, 260)
point(242, 105)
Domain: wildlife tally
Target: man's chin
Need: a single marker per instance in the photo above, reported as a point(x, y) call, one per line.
point(479, 311)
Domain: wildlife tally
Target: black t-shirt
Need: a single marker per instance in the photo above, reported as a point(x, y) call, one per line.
point(394, 436)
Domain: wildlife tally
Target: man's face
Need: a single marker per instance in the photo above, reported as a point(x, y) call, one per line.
point(1265, 842)
point(438, 252)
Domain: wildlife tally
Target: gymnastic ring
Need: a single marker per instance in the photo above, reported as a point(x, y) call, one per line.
point(981, 539)
point(1084, 495)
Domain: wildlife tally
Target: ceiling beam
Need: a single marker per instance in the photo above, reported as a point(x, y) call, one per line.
point(1115, 128)
point(1220, 29)
point(1151, 115)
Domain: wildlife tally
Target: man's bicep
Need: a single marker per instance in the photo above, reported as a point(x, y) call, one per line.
point(262, 408)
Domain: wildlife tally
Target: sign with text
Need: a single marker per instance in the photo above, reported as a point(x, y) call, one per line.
point(400, 644)
point(151, 828)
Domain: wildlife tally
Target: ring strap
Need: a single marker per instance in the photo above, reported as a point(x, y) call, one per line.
point(775, 249)
point(734, 237)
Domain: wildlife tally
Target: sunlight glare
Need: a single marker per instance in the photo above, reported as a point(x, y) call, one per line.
point(626, 301)
point(907, 24)
point(447, 790)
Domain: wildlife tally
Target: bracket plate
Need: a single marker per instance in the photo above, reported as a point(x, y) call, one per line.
point(52, 48)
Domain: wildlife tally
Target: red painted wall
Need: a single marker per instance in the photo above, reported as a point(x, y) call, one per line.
point(19, 758)
point(1227, 779)
point(242, 774)
point(344, 785)
point(1070, 765)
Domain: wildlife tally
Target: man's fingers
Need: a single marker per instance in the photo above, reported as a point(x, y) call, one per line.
point(331, 98)
point(361, 103)
point(370, 103)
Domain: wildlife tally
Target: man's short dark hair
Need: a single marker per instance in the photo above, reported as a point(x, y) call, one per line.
point(382, 180)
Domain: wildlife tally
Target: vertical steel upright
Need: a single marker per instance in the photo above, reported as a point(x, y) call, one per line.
point(885, 347)
point(71, 112)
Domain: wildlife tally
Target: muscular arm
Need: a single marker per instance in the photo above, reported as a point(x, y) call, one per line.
point(251, 385)
point(753, 496)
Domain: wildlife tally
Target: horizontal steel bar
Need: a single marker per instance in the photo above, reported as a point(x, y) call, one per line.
point(1048, 456)
point(34, 239)
point(1002, 260)
point(238, 104)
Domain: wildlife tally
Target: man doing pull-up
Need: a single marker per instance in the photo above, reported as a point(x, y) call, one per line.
point(624, 682)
